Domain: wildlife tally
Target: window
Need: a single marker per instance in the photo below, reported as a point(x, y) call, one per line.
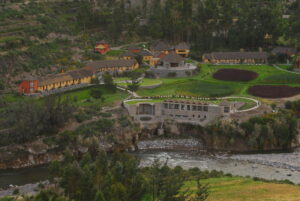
point(171, 106)
point(199, 116)
point(176, 107)
point(31, 84)
point(166, 105)
point(200, 108)
point(205, 108)
point(194, 108)
point(226, 109)
point(182, 107)
point(188, 107)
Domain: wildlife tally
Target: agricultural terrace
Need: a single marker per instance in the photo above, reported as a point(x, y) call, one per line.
point(205, 85)
point(248, 104)
point(244, 189)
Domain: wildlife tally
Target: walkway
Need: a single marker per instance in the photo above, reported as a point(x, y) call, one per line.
point(284, 70)
point(258, 103)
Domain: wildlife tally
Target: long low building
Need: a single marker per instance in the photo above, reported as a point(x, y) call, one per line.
point(182, 111)
point(76, 77)
point(119, 65)
point(236, 58)
point(50, 82)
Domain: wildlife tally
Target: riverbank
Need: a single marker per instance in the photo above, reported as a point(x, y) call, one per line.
point(187, 153)
point(225, 163)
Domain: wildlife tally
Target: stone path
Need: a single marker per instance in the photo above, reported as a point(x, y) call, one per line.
point(284, 70)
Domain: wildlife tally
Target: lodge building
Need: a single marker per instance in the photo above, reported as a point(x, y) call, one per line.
point(50, 82)
point(236, 58)
point(82, 76)
point(120, 65)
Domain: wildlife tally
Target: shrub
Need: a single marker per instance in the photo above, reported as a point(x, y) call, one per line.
point(16, 191)
point(96, 93)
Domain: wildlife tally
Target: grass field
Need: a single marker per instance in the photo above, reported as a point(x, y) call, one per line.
point(144, 83)
point(248, 103)
point(205, 85)
point(244, 189)
point(82, 97)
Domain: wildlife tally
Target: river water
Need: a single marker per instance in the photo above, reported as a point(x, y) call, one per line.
point(280, 166)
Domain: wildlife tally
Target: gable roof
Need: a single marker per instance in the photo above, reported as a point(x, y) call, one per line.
point(50, 79)
point(236, 55)
point(127, 54)
point(145, 53)
point(81, 73)
point(94, 66)
point(160, 46)
point(284, 50)
point(63, 77)
point(182, 46)
point(172, 57)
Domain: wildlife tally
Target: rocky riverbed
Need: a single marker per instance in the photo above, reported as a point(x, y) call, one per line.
point(242, 166)
point(187, 153)
point(170, 144)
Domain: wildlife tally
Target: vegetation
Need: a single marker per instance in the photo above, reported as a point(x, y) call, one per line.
point(243, 189)
point(270, 131)
point(28, 119)
point(204, 84)
point(119, 178)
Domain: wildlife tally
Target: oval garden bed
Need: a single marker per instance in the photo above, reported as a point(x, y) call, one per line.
point(273, 91)
point(236, 75)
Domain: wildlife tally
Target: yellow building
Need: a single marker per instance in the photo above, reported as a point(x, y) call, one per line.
point(161, 47)
point(182, 49)
point(61, 80)
point(127, 55)
point(147, 56)
point(112, 65)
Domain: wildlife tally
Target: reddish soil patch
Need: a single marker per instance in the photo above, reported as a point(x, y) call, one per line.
point(235, 75)
point(274, 91)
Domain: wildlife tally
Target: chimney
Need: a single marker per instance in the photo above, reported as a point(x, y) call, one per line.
point(260, 49)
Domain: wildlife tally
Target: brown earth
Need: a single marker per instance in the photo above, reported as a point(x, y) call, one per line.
point(235, 75)
point(273, 91)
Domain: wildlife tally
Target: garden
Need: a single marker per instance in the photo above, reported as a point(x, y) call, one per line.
point(206, 85)
point(235, 75)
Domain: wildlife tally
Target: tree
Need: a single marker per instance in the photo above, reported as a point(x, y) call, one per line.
point(97, 93)
point(109, 82)
point(134, 84)
point(201, 193)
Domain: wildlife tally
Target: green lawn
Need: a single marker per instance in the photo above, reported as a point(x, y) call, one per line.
point(114, 53)
point(144, 83)
point(244, 189)
point(205, 85)
point(248, 103)
point(285, 66)
point(81, 97)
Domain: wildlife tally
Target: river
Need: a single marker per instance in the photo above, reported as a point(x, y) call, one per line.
point(279, 166)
